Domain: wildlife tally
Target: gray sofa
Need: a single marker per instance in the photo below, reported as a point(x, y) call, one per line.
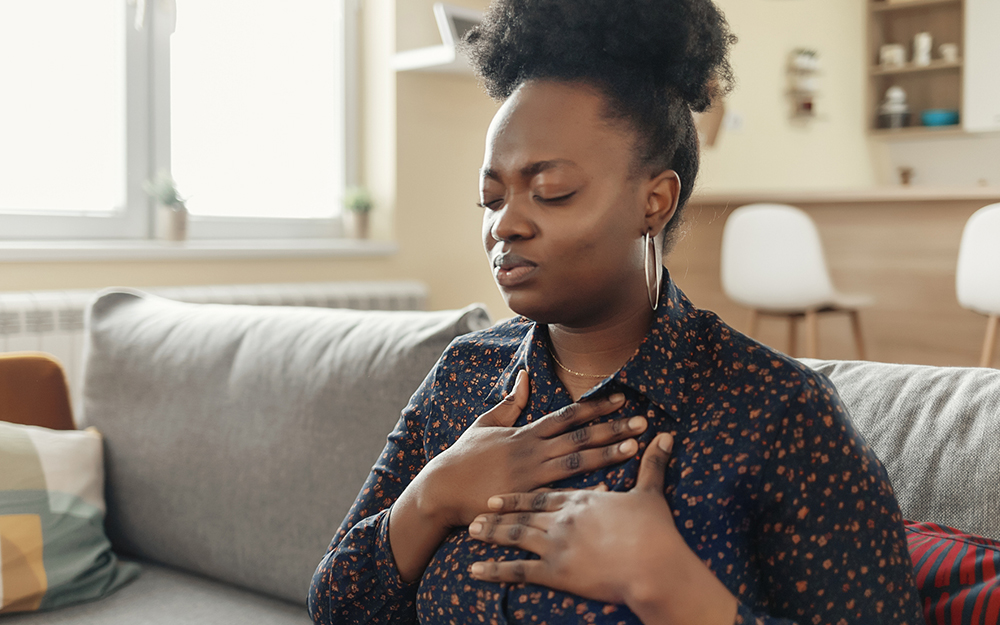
point(237, 437)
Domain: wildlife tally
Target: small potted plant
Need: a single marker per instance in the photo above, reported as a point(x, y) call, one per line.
point(358, 202)
point(171, 213)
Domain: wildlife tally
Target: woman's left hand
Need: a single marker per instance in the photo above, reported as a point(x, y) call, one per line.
point(599, 545)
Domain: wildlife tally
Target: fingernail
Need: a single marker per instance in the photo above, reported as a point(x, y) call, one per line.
point(494, 503)
point(636, 423)
point(477, 568)
point(617, 397)
point(475, 528)
point(665, 442)
point(625, 447)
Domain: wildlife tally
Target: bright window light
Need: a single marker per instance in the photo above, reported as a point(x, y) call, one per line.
point(255, 107)
point(62, 106)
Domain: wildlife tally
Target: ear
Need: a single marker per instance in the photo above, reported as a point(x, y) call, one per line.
point(664, 191)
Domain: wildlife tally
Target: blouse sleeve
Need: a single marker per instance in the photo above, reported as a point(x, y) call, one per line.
point(830, 539)
point(357, 581)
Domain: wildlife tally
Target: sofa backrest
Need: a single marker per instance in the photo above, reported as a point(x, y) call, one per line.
point(936, 430)
point(237, 437)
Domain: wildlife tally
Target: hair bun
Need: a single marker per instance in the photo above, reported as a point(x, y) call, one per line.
point(680, 46)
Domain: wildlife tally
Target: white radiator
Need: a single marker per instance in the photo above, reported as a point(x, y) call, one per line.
point(53, 321)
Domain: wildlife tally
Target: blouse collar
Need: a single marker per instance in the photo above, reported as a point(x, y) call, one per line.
point(657, 370)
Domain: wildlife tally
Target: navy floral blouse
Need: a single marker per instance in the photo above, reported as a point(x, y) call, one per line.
point(768, 483)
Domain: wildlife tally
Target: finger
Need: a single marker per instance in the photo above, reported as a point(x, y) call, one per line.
point(511, 534)
point(514, 571)
point(530, 502)
point(578, 413)
point(509, 409)
point(589, 460)
point(654, 464)
point(597, 435)
point(545, 489)
point(538, 520)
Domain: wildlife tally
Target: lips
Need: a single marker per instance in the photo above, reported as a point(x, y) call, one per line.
point(511, 269)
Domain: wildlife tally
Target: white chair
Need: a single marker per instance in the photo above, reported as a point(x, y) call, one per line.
point(977, 279)
point(773, 263)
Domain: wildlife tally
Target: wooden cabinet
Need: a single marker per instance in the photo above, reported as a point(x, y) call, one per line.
point(969, 84)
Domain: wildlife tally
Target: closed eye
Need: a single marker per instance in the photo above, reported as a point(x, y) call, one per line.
point(555, 200)
point(491, 205)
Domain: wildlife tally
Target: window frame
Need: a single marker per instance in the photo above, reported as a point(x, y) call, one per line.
point(147, 120)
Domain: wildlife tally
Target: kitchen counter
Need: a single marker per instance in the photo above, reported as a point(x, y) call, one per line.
point(707, 196)
point(897, 244)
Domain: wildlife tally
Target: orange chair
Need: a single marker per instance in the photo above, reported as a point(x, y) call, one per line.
point(33, 391)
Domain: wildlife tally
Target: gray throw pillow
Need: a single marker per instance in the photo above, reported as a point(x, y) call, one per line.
point(936, 431)
point(237, 437)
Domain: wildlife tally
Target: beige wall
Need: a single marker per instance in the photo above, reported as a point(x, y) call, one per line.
point(773, 151)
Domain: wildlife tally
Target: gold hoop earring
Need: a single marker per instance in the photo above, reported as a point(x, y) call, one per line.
point(653, 263)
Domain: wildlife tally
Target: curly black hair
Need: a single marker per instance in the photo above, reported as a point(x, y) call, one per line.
point(655, 61)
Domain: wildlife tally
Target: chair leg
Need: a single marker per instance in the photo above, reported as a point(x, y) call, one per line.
point(859, 342)
point(812, 334)
point(752, 320)
point(990, 342)
point(792, 336)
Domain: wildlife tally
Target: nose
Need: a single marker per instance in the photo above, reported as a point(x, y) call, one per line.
point(511, 223)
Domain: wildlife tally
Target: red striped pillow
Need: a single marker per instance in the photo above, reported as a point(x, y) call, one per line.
point(956, 574)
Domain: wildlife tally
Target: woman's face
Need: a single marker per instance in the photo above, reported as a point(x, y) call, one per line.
point(564, 218)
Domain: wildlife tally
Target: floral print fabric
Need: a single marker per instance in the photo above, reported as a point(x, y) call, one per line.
point(768, 482)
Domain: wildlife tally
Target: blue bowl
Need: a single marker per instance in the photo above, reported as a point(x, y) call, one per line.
point(939, 117)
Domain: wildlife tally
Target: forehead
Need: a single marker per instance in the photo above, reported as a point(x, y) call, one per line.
point(554, 121)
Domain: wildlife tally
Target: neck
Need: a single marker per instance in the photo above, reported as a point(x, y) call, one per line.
point(598, 349)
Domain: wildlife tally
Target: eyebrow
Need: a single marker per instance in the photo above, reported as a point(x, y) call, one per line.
point(529, 171)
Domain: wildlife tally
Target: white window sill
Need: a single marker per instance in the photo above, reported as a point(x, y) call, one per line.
point(104, 250)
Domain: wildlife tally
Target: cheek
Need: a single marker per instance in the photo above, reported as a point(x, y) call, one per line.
point(613, 244)
point(488, 240)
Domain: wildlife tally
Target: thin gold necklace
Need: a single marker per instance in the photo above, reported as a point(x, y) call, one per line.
point(576, 373)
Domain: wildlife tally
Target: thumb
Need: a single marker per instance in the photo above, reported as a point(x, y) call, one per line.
point(654, 464)
point(507, 411)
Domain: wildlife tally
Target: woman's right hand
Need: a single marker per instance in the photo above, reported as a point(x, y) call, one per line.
point(493, 457)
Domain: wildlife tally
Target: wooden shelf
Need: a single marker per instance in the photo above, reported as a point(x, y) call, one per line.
point(918, 132)
point(910, 68)
point(967, 85)
point(443, 59)
point(881, 6)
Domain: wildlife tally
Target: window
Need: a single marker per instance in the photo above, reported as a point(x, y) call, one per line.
point(243, 101)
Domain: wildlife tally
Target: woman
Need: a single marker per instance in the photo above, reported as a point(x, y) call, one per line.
point(612, 455)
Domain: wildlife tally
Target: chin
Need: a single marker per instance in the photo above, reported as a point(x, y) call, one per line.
point(534, 306)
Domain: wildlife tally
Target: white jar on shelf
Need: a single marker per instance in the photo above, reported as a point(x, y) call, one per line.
point(923, 43)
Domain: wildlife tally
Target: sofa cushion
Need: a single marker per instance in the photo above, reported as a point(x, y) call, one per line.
point(237, 437)
point(53, 551)
point(936, 431)
point(162, 596)
point(957, 574)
